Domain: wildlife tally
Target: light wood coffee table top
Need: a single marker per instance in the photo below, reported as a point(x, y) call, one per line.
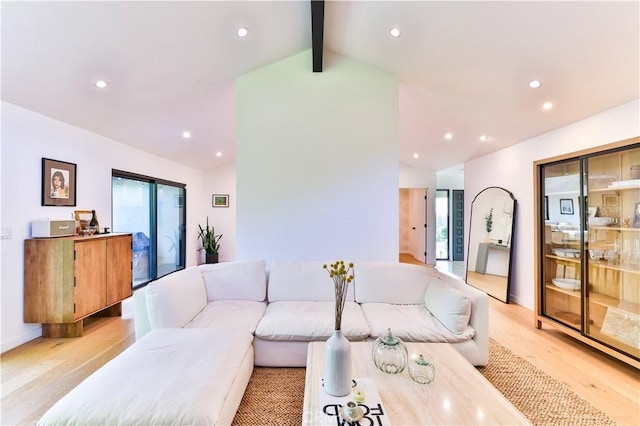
point(458, 395)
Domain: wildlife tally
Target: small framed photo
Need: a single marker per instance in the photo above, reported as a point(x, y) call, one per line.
point(610, 200)
point(58, 183)
point(566, 206)
point(220, 200)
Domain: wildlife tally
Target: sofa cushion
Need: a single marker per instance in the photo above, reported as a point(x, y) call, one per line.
point(310, 321)
point(301, 280)
point(242, 314)
point(450, 306)
point(173, 300)
point(170, 376)
point(411, 323)
point(239, 280)
point(392, 282)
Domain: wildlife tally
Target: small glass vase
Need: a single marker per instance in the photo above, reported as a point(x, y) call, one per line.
point(390, 354)
point(337, 365)
point(422, 371)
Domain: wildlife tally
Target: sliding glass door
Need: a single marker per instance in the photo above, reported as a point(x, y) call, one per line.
point(153, 210)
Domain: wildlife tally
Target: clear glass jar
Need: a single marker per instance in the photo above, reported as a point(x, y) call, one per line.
point(422, 371)
point(390, 354)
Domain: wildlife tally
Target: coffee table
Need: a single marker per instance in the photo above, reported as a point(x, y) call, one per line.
point(458, 395)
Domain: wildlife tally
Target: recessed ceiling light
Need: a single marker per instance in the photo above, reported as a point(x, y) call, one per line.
point(100, 84)
point(547, 106)
point(242, 32)
point(484, 138)
point(448, 136)
point(416, 155)
point(186, 135)
point(534, 84)
point(218, 154)
point(394, 32)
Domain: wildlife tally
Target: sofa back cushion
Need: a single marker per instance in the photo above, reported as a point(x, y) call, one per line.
point(450, 306)
point(392, 282)
point(301, 280)
point(240, 280)
point(173, 300)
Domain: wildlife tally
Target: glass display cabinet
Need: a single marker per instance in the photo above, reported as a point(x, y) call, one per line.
point(588, 247)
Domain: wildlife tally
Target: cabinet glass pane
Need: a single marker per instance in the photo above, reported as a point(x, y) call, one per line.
point(561, 291)
point(613, 245)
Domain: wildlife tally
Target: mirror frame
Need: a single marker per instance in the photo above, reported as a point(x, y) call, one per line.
point(473, 238)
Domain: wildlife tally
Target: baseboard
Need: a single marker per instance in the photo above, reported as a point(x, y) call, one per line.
point(34, 333)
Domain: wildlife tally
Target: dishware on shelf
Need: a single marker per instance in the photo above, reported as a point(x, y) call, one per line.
point(600, 221)
point(566, 283)
point(596, 254)
point(563, 252)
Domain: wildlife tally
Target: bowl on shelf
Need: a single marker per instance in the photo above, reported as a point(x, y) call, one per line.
point(600, 221)
point(564, 252)
point(596, 254)
point(566, 283)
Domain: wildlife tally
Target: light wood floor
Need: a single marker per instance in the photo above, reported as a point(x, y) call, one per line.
point(38, 373)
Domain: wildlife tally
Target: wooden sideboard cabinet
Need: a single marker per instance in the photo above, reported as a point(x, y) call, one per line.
point(67, 279)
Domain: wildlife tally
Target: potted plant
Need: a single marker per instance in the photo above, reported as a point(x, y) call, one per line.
point(210, 242)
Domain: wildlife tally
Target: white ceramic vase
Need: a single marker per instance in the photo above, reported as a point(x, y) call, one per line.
point(337, 365)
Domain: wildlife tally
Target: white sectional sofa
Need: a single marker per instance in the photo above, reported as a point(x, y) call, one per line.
point(200, 331)
point(294, 306)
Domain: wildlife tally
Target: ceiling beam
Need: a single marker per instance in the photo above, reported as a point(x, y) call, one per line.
point(317, 33)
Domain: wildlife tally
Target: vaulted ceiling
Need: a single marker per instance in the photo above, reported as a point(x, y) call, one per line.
point(463, 67)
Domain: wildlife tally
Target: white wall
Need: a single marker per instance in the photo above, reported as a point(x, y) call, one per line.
point(222, 180)
point(317, 162)
point(26, 138)
point(512, 169)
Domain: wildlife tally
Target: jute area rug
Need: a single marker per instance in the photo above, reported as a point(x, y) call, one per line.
point(275, 396)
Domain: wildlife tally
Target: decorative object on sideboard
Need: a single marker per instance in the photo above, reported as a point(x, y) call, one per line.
point(58, 183)
point(45, 228)
point(220, 200)
point(210, 242)
point(83, 222)
point(337, 357)
point(422, 370)
point(390, 354)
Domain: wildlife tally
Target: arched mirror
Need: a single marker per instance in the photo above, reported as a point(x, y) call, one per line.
point(493, 214)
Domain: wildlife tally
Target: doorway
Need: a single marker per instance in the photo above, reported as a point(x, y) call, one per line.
point(413, 223)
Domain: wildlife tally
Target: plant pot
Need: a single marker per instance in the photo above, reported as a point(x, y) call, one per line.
point(211, 257)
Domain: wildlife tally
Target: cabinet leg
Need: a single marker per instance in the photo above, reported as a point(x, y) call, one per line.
point(73, 329)
point(111, 311)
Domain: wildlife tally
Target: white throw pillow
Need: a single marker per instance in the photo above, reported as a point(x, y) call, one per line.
point(450, 306)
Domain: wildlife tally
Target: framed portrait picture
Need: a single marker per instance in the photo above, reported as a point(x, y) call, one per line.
point(610, 200)
point(566, 206)
point(58, 183)
point(220, 200)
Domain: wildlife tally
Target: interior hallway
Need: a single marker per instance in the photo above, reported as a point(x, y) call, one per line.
point(445, 266)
